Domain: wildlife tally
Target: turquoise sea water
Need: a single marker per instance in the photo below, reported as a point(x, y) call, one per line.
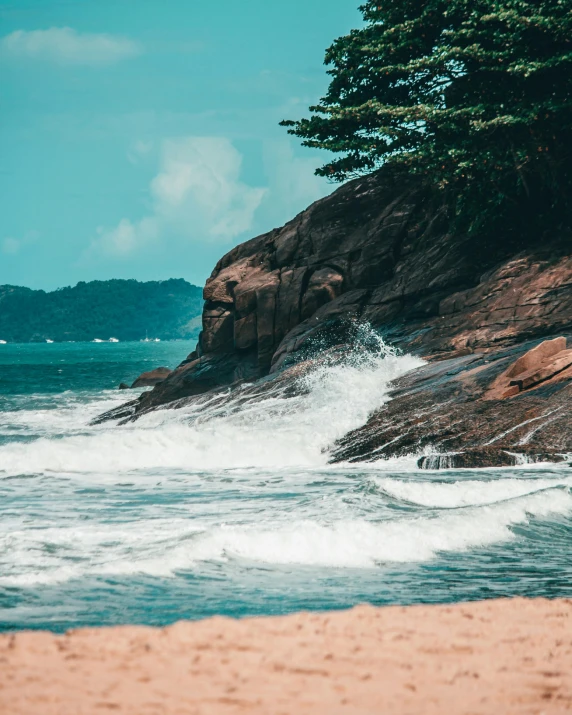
point(232, 509)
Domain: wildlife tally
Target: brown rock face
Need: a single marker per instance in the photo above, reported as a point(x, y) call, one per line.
point(545, 371)
point(377, 252)
point(548, 361)
point(535, 357)
point(152, 378)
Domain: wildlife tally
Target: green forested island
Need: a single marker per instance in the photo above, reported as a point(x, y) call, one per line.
point(121, 309)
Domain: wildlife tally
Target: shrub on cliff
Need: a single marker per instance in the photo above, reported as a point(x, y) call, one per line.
point(474, 94)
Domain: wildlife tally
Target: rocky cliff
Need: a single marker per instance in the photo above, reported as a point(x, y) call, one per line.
point(377, 252)
point(381, 251)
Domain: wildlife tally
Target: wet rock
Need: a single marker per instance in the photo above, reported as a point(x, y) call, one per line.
point(487, 457)
point(441, 407)
point(123, 412)
point(123, 386)
point(152, 378)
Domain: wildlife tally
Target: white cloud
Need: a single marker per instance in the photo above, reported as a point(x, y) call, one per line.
point(197, 195)
point(10, 245)
point(139, 150)
point(65, 46)
point(200, 180)
point(126, 236)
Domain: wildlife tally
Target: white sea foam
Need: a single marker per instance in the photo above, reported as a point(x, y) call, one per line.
point(271, 432)
point(466, 492)
point(239, 483)
point(55, 415)
point(360, 543)
point(163, 547)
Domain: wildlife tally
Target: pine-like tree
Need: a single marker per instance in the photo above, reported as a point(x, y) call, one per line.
point(474, 94)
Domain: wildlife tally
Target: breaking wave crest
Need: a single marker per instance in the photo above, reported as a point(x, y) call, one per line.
point(466, 492)
point(270, 431)
point(164, 547)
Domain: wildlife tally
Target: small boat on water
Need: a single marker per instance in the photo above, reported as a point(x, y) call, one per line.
point(49, 341)
point(113, 340)
point(97, 340)
point(2, 342)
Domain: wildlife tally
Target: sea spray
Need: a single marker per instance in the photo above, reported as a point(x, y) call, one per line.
point(270, 429)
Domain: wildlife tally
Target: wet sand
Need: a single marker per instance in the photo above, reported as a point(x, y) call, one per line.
point(501, 657)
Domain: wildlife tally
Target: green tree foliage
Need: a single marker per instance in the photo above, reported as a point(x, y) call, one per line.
point(122, 309)
point(476, 95)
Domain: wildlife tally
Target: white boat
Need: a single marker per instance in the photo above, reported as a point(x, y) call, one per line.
point(2, 342)
point(96, 340)
point(157, 340)
point(49, 341)
point(113, 340)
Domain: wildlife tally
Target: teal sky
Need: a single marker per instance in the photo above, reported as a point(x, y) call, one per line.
point(140, 138)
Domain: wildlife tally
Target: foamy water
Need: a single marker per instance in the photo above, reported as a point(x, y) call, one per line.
point(231, 506)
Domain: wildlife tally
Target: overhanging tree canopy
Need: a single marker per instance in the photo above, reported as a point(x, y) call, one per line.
point(475, 94)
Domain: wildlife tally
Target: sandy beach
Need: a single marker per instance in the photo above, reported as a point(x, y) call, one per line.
point(503, 656)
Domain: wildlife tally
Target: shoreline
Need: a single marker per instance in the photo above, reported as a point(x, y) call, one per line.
point(499, 656)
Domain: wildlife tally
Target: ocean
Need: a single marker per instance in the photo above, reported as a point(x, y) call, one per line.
point(233, 509)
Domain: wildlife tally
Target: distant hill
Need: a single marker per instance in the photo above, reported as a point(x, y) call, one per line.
point(122, 309)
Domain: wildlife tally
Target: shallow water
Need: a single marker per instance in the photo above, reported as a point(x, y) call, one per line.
point(233, 509)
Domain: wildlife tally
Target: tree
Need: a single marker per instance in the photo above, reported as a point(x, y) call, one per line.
point(476, 95)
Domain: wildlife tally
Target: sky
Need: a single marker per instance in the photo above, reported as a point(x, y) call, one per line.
point(140, 138)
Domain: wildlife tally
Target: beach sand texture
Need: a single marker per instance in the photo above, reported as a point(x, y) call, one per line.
point(503, 656)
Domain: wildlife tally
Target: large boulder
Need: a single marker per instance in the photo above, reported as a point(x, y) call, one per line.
point(152, 377)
